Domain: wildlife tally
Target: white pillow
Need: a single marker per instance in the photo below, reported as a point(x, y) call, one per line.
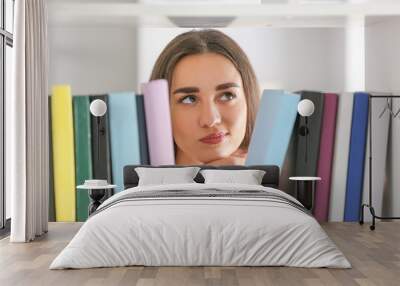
point(248, 177)
point(162, 176)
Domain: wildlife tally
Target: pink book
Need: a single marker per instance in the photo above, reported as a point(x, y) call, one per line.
point(322, 194)
point(158, 122)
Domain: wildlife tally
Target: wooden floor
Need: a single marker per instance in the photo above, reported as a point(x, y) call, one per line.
point(375, 257)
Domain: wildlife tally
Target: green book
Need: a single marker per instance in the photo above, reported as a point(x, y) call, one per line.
point(83, 153)
point(52, 203)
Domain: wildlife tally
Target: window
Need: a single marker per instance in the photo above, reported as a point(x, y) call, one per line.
point(6, 44)
point(9, 19)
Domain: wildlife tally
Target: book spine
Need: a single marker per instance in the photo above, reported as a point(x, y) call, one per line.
point(141, 119)
point(124, 134)
point(83, 152)
point(101, 153)
point(158, 122)
point(307, 152)
point(322, 194)
point(52, 204)
point(63, 152)
point(355, 170)
point(340, 159)
point(273, 128)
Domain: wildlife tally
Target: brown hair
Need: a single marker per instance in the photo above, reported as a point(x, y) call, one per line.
point(212, 41)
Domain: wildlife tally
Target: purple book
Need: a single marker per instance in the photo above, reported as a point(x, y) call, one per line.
point(322, 194)
point(158, 122)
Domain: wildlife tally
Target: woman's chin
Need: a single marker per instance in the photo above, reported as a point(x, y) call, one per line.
point(207, 153)
point(213, 156)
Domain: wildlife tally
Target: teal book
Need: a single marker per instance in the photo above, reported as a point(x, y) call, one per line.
point(124, 134)
point(275, 119)
point(83, 152)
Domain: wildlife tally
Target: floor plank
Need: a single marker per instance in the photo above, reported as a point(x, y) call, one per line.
point(374, 255)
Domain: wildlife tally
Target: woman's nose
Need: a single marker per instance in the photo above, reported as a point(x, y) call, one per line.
point(209, 115)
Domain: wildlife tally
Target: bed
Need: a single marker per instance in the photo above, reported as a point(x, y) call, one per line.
point(201, 224)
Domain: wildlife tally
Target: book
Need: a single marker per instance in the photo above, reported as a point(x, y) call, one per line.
point(158, 122)
point(391, 198)
point(63, 152)
point(273, 128)
point(52, 203)
point(83, 153)
point(355, 170)
point(340, 159)
point(382, 156)
point(101, 153)
point(306, 165)
point(142, 128)
point(124, 134)
point(325, 158)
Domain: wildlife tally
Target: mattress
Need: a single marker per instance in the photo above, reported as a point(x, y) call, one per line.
point(201, 225)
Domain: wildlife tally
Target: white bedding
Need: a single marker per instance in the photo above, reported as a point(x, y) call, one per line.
point(200, 231)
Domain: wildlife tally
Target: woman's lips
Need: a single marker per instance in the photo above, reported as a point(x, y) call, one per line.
point(213, 138)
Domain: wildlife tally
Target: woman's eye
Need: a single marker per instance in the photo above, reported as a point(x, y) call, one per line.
point(189, 99)
point(227, 96)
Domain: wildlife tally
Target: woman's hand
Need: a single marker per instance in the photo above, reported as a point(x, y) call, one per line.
point(236, 158)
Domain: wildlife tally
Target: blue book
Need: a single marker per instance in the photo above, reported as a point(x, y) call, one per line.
point(275, 119)
point(124, 134)
point(355, 169)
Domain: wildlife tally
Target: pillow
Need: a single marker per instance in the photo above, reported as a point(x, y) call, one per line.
point(162, 176)
point(248, 177)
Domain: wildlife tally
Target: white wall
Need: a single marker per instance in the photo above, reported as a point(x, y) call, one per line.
point(93, 60)
point(382, 55)
point(382, 75)
point(287, 58)
point(100, 60)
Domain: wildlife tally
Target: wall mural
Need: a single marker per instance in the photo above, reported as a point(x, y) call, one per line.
point(201, 105)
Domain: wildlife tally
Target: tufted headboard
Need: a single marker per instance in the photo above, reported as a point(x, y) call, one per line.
point(270, 179)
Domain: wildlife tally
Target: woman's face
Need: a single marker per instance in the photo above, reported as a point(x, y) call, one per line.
point(208, 108)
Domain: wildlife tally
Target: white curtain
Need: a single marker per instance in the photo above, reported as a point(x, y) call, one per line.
point(27, 123)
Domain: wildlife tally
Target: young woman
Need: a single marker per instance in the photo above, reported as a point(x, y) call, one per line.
point(214, 97)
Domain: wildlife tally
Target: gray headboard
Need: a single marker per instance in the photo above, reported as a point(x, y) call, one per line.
point(270, 179)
